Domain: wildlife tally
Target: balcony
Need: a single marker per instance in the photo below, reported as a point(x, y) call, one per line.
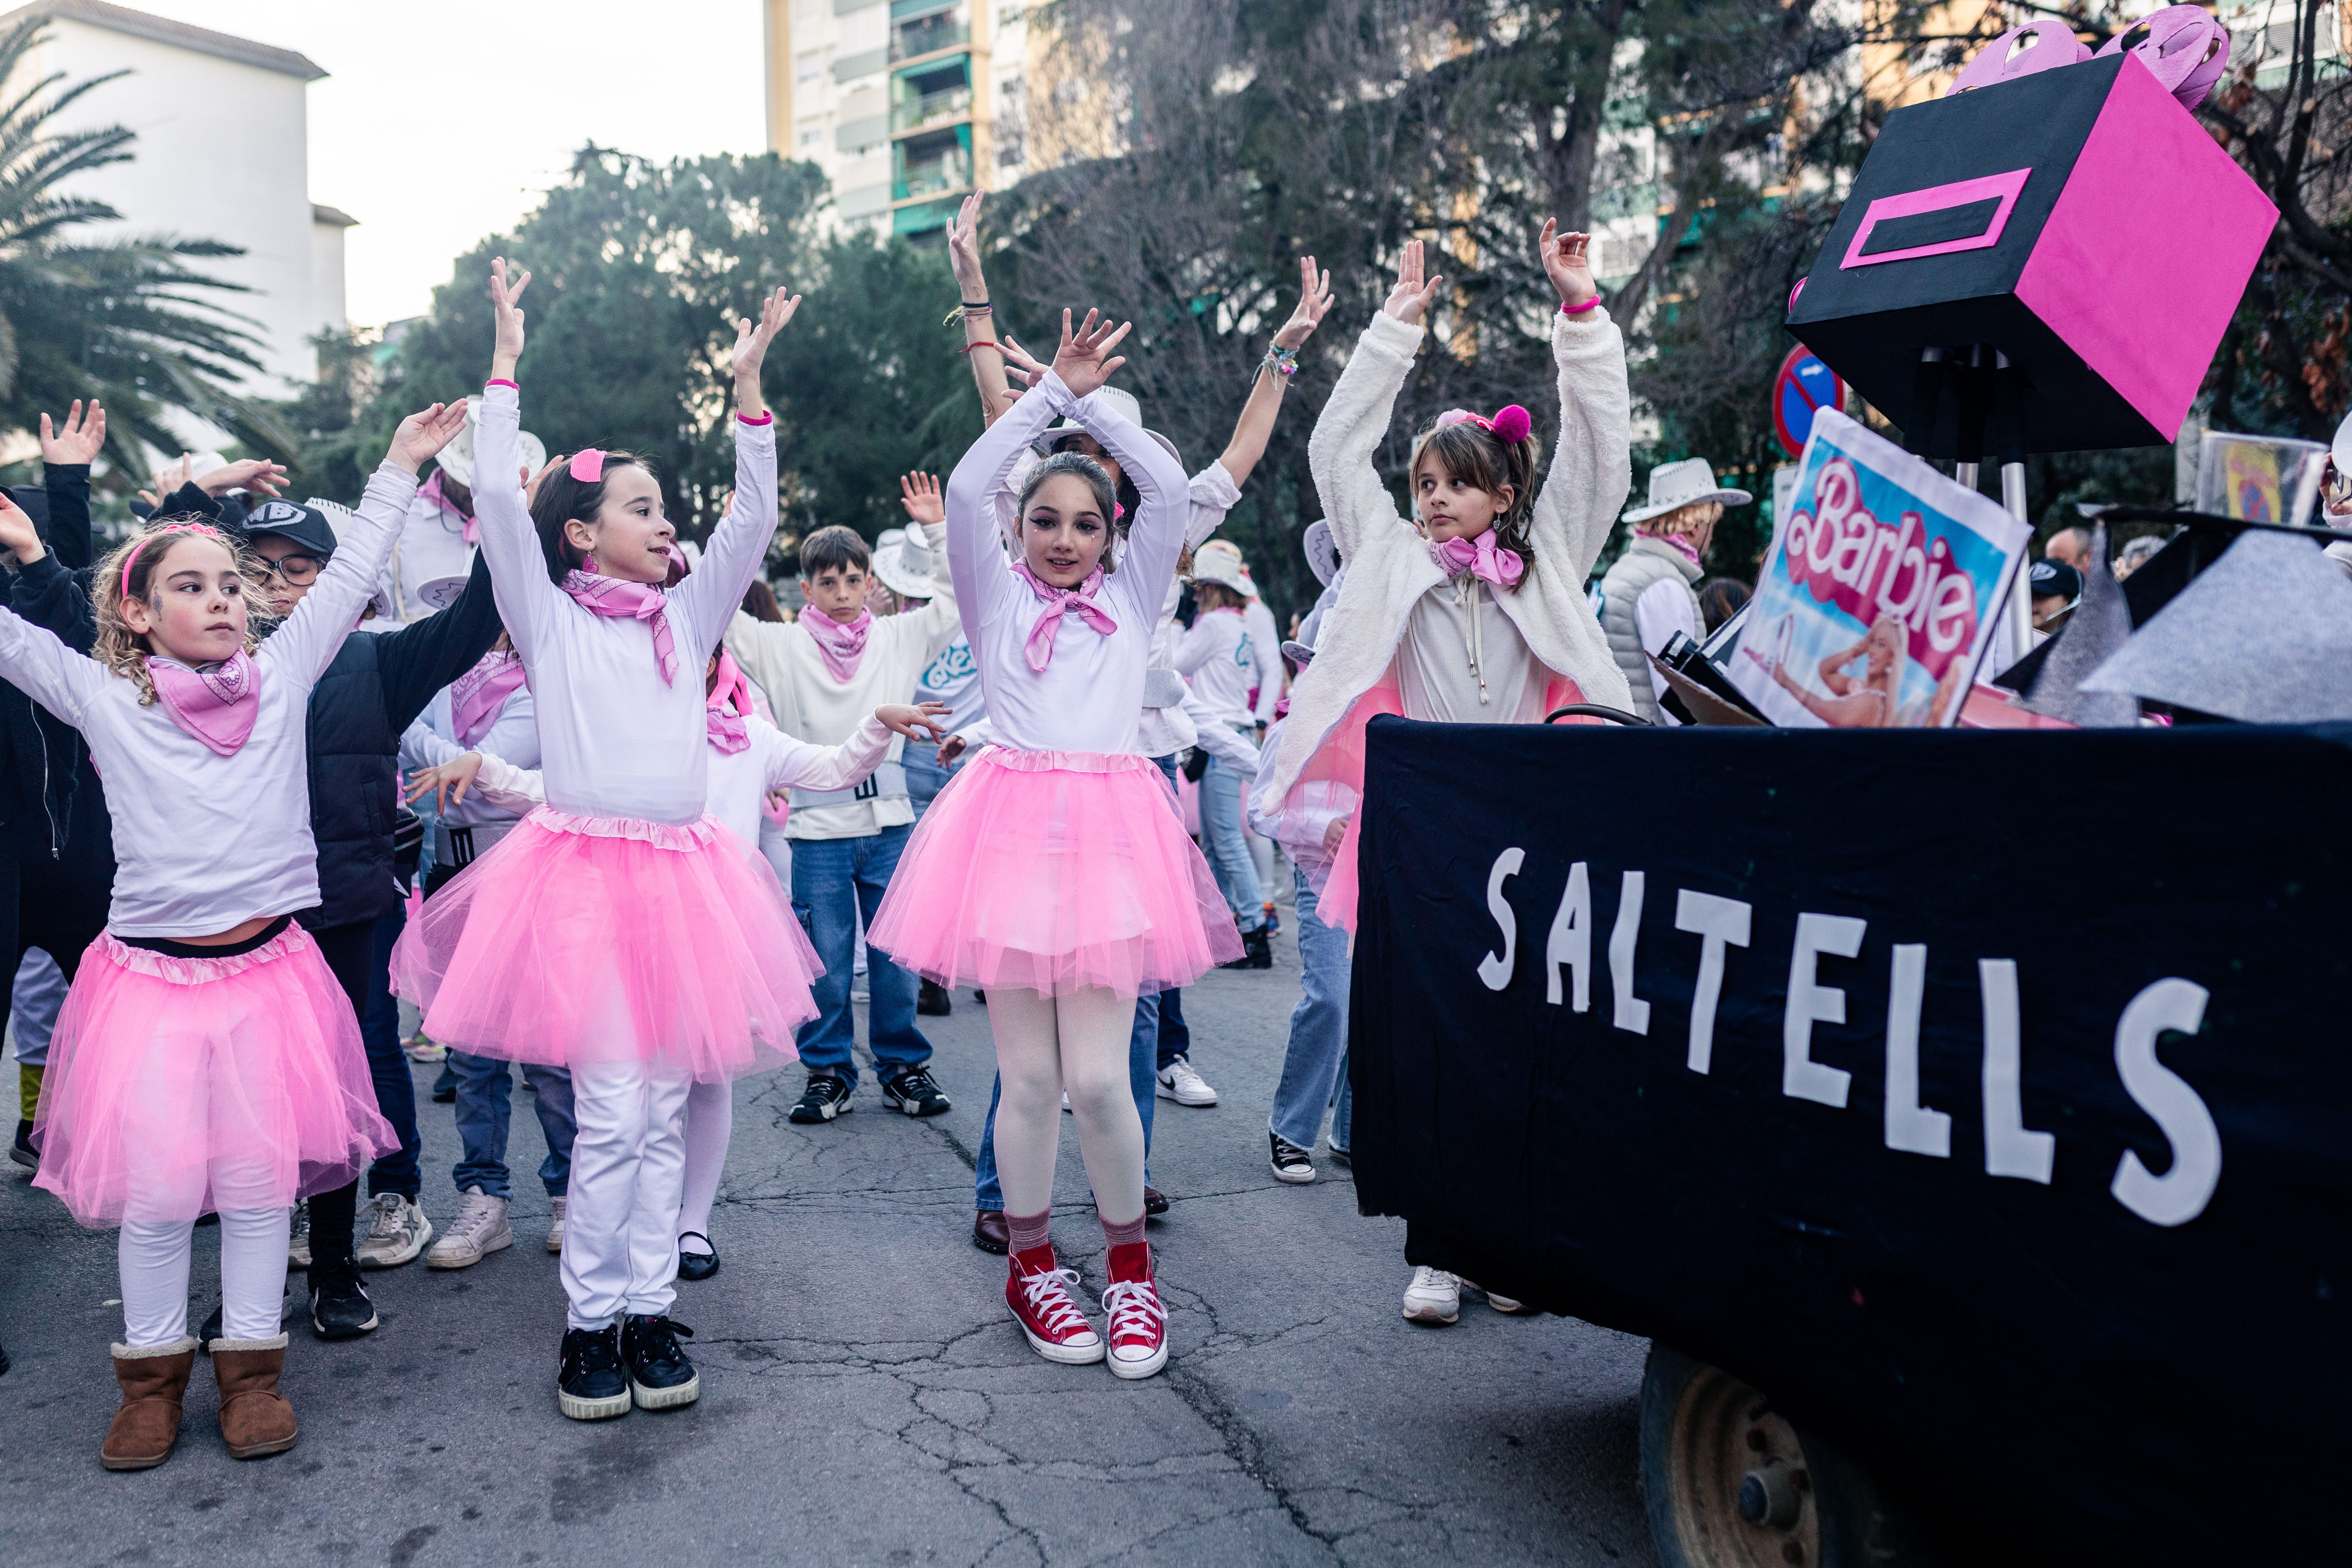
point(929, 35)
point(931, 109)
point(948, 170)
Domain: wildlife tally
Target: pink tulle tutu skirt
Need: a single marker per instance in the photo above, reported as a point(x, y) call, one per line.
point(1051, 872)
point(179, 1087)
point(605, 940)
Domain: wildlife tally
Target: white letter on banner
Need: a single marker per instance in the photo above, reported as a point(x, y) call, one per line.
point(1571, 942)
point(2010, 1149)
point(1718, 921)
point(1910, 1126)
point(1810, 1003)
point(1497, 970)
point(1633, 1013)
point(2181, 1194)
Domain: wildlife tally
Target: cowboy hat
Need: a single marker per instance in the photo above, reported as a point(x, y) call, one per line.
point(456, 458)
point(1220, 567)
point(903, 560)
point(1225, 549)
point(1120, 401)
point(1677, 485)
point(1322, 553)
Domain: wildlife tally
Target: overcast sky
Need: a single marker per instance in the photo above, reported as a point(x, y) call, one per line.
point(440, 122)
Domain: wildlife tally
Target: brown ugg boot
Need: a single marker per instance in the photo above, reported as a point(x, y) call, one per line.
point(255, 1418)
point(153, 1378)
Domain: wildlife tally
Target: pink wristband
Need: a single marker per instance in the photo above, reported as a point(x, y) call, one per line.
point(1567, 310)
point(501, 381)
point(768, 419)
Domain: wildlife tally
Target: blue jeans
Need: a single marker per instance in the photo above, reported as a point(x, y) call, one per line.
point(1175, 1034)
point(485, 1106)
point(1228, 848)
point(925, 777)
point(987, 1193)
point(1318, 1027)
point(395, 1091)
point(832, 881)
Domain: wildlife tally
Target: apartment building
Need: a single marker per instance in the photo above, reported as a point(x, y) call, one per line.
point(906, 105)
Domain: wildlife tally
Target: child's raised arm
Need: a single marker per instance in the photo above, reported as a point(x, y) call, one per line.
point(31, 656)
point(980, 332)
point(1156, 537)
point(527, 596)
point(1255, 427)
point(1591, 468)
point(1356, 419)
point(708, 598)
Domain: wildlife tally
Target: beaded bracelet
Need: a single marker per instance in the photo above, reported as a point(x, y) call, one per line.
point(1282, 361)
point(1567, 310)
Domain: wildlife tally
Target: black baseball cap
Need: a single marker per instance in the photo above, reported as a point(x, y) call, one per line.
point(2055, 579)
point(306, 526)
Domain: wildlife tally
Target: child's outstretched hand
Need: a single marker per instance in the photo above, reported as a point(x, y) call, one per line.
point(1313, 301)
point(919, 494)
point(1086, 361)
point(1411, 295)
point(169, 478)
point(917, 721)
point(1020, 367)
point(17, 533)
point(423, 434)
point(1566, 258)
point(752, 338)
point(78, 442)
point(964, 250)
point(257, 475)
point(504, 298)
point(446, 785)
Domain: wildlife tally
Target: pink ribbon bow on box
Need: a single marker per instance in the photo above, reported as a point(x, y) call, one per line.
point(1060, 602)
point(1481, 557)
point(624, 600)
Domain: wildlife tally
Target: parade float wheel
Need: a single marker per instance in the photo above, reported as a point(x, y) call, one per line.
point(1731, 1483)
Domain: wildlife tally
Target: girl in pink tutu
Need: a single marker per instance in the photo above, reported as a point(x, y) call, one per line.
point(1053, 870)
point(206, 1061)
point(620, 930)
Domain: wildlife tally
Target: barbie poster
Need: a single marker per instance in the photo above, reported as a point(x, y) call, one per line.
point(1881, 591)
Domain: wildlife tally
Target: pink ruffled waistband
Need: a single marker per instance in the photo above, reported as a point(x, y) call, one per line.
point(682, 835)
point(199, 971)
point(1067, 762)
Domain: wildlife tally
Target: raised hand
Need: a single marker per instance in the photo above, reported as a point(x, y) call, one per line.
point(446, 785)
point(964, 250)
point(505, 299)
point(424, 433)
point(919, 494)
point(258, 475)
point(169, 478)
point(17, 533)
point(1313, 301)
point(917, 721)
point(80, 439)
point(1020, 365)
point(1086, 361)
point(1568, 261)
point(752, 338)
point(1411, 295)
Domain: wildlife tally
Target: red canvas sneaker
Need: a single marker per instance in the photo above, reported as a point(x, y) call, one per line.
point(1039, 1294)
point(1138, 1323)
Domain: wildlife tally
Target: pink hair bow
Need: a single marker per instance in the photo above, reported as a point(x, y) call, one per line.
point(1060, 602)
point(588, 465)
point(1481, 558)
point(1509, 425)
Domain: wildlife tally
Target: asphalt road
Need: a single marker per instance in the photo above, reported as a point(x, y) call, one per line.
point(866, 1397)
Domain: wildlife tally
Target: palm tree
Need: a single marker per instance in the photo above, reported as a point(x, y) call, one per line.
point(129, 321)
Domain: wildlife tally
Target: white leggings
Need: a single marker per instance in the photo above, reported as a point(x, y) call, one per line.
point(709, 1121)
point(628, 1167)
point(1075, 1044)
point(153, 1254)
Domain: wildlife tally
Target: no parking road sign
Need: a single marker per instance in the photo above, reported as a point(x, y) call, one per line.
point(1804, 384)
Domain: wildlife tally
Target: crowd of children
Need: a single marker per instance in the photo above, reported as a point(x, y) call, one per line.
point(668, 823)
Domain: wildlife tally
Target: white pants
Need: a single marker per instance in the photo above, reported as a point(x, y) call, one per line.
point(709, 1122)
point(1075, 1044)
point(153, 1256)
point(628, 1171)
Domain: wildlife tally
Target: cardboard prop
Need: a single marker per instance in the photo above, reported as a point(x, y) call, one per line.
point(2021, 1182)
point(2044, 264)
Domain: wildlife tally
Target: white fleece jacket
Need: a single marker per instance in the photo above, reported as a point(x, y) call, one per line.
point(1389, 563)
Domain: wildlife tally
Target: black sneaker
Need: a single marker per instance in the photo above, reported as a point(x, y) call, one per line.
point(445, 1087)
point(934, 999)
point(659, 1375)
point(1290, 1162)
point(913, 1092)
point(1257, 952)
point(22, 1150)
point(825, 1098)
point(1341, 1156)
point(588, 1382)
point(339, 1307)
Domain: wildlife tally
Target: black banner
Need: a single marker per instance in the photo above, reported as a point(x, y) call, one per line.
point(1984, 1098)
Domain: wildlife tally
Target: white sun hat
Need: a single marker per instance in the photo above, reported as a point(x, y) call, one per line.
point(1120, 401)
point(903, 560)
point(1220, 567)
point(1686, 483)
point(456, 458)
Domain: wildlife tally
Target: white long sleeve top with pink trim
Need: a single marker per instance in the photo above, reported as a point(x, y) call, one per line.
point(615, 739)
point(1088, 698)
point(203, 843)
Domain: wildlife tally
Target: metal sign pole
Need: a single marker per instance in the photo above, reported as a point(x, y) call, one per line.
point(2020, 597)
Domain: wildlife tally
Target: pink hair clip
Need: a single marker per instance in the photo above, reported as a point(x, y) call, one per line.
point(588, 465)
point(1509, 425)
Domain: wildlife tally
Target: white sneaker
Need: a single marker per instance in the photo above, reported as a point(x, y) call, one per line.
point(1180, 1083)
point(1065, 1100)
point(555, 1225)
point(297, 1239)
point(397, 1232)
point(1433, 1296)
point(479, 1229)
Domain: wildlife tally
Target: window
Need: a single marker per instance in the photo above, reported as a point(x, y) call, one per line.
point(811, 66)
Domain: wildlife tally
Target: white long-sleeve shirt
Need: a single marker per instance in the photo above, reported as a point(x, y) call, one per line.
point(431, 742)
point(1265, 647)
point(615, 739)
point(1299, 821)
point(1666, 606)
point(1090, 696)
point(1221, 659)
point(783, 659)
point(203, 843)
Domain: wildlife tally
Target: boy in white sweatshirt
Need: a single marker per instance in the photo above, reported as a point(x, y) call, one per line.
point(822, 674)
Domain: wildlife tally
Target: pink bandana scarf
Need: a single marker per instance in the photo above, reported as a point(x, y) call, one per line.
point(624, 600)
point(724, 709)
point(477, 696)
point(1060, 602)
point(841, 645)
point(432, 493)
point(1481, 558)
point(217, 706)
